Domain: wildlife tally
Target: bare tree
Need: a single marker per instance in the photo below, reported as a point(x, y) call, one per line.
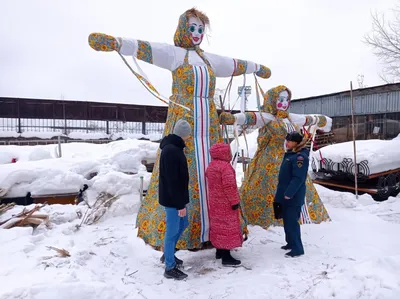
point(384, 39)
point(360, 80)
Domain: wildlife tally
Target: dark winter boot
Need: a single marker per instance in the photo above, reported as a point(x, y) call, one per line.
point(286, 247)
point(228, 260)
point(175, 273)
point(178, 262)
point(293, 254)
point(219, 253)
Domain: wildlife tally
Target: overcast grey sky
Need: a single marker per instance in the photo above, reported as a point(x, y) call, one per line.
point(312, 46)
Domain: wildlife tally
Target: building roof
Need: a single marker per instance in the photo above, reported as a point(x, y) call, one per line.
point(358, 91)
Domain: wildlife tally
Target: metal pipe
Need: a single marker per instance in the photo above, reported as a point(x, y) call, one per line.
point(141, 189)
point(243, 162)
point(59, 146)
point(354, 140)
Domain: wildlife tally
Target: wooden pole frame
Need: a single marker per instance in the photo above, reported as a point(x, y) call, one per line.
point(354, 140)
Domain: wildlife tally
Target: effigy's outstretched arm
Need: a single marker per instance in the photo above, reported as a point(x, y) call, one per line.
point(159, 54)
point(318, 121)
point(254, 119)
point(227, 67)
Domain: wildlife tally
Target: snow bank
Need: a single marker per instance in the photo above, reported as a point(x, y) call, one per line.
point(5, 157)
point(118, 166)
point(42, 135)
point(124, 135)
point(382, 155)
point(88, 136)
point(7, 134)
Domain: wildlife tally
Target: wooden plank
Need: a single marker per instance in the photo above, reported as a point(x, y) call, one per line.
point(320, 182)
point(51, 199)
point(62, 200)
point(375, 175)
point(54, 195)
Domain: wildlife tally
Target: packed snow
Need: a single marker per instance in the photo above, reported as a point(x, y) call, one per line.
point(382, 155)
point(356, 255)
point(38, 169)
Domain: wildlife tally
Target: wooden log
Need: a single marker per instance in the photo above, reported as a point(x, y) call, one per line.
point(327, 183)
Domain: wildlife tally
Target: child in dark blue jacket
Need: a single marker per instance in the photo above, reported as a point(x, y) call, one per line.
point(291, 191)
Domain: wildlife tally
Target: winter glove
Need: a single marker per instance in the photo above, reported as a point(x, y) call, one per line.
point(103, 42)
point(227, 118)
point(235, 207)
point(263, 72)
point(322, 121)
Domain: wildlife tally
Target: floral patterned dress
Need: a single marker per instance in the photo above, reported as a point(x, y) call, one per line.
point(194, 75)
point(261, 179)
point(196, 84)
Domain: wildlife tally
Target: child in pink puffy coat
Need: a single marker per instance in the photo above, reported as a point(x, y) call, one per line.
point(223, 204)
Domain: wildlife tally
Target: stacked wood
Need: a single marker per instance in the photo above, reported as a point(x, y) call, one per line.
point(94, 213)
point(5, 207)
point(26, 218)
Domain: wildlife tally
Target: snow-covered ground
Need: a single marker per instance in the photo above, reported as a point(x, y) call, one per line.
point(356, 255)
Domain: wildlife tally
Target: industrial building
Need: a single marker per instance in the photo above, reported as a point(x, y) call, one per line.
point(377, 111)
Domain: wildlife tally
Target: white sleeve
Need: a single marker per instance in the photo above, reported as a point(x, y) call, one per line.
point(227, 67)
point(261, 119)
point(160, 54)
point(301, 120)
point(320, 122)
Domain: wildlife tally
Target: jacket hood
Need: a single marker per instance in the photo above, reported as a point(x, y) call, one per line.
point(172, 139)
point(221, 151)
point(301, 147)
point(271, 98)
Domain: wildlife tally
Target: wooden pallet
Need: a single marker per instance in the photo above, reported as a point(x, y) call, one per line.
point(322, 140)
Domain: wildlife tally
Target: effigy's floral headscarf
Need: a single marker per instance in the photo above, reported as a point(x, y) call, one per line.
point(182, 34)
point(270, 101)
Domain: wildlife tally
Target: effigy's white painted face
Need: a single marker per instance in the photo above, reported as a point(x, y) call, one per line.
point(283, 101)
point(196, 29)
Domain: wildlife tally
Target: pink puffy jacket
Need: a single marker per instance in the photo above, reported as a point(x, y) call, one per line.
point(225, 230)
